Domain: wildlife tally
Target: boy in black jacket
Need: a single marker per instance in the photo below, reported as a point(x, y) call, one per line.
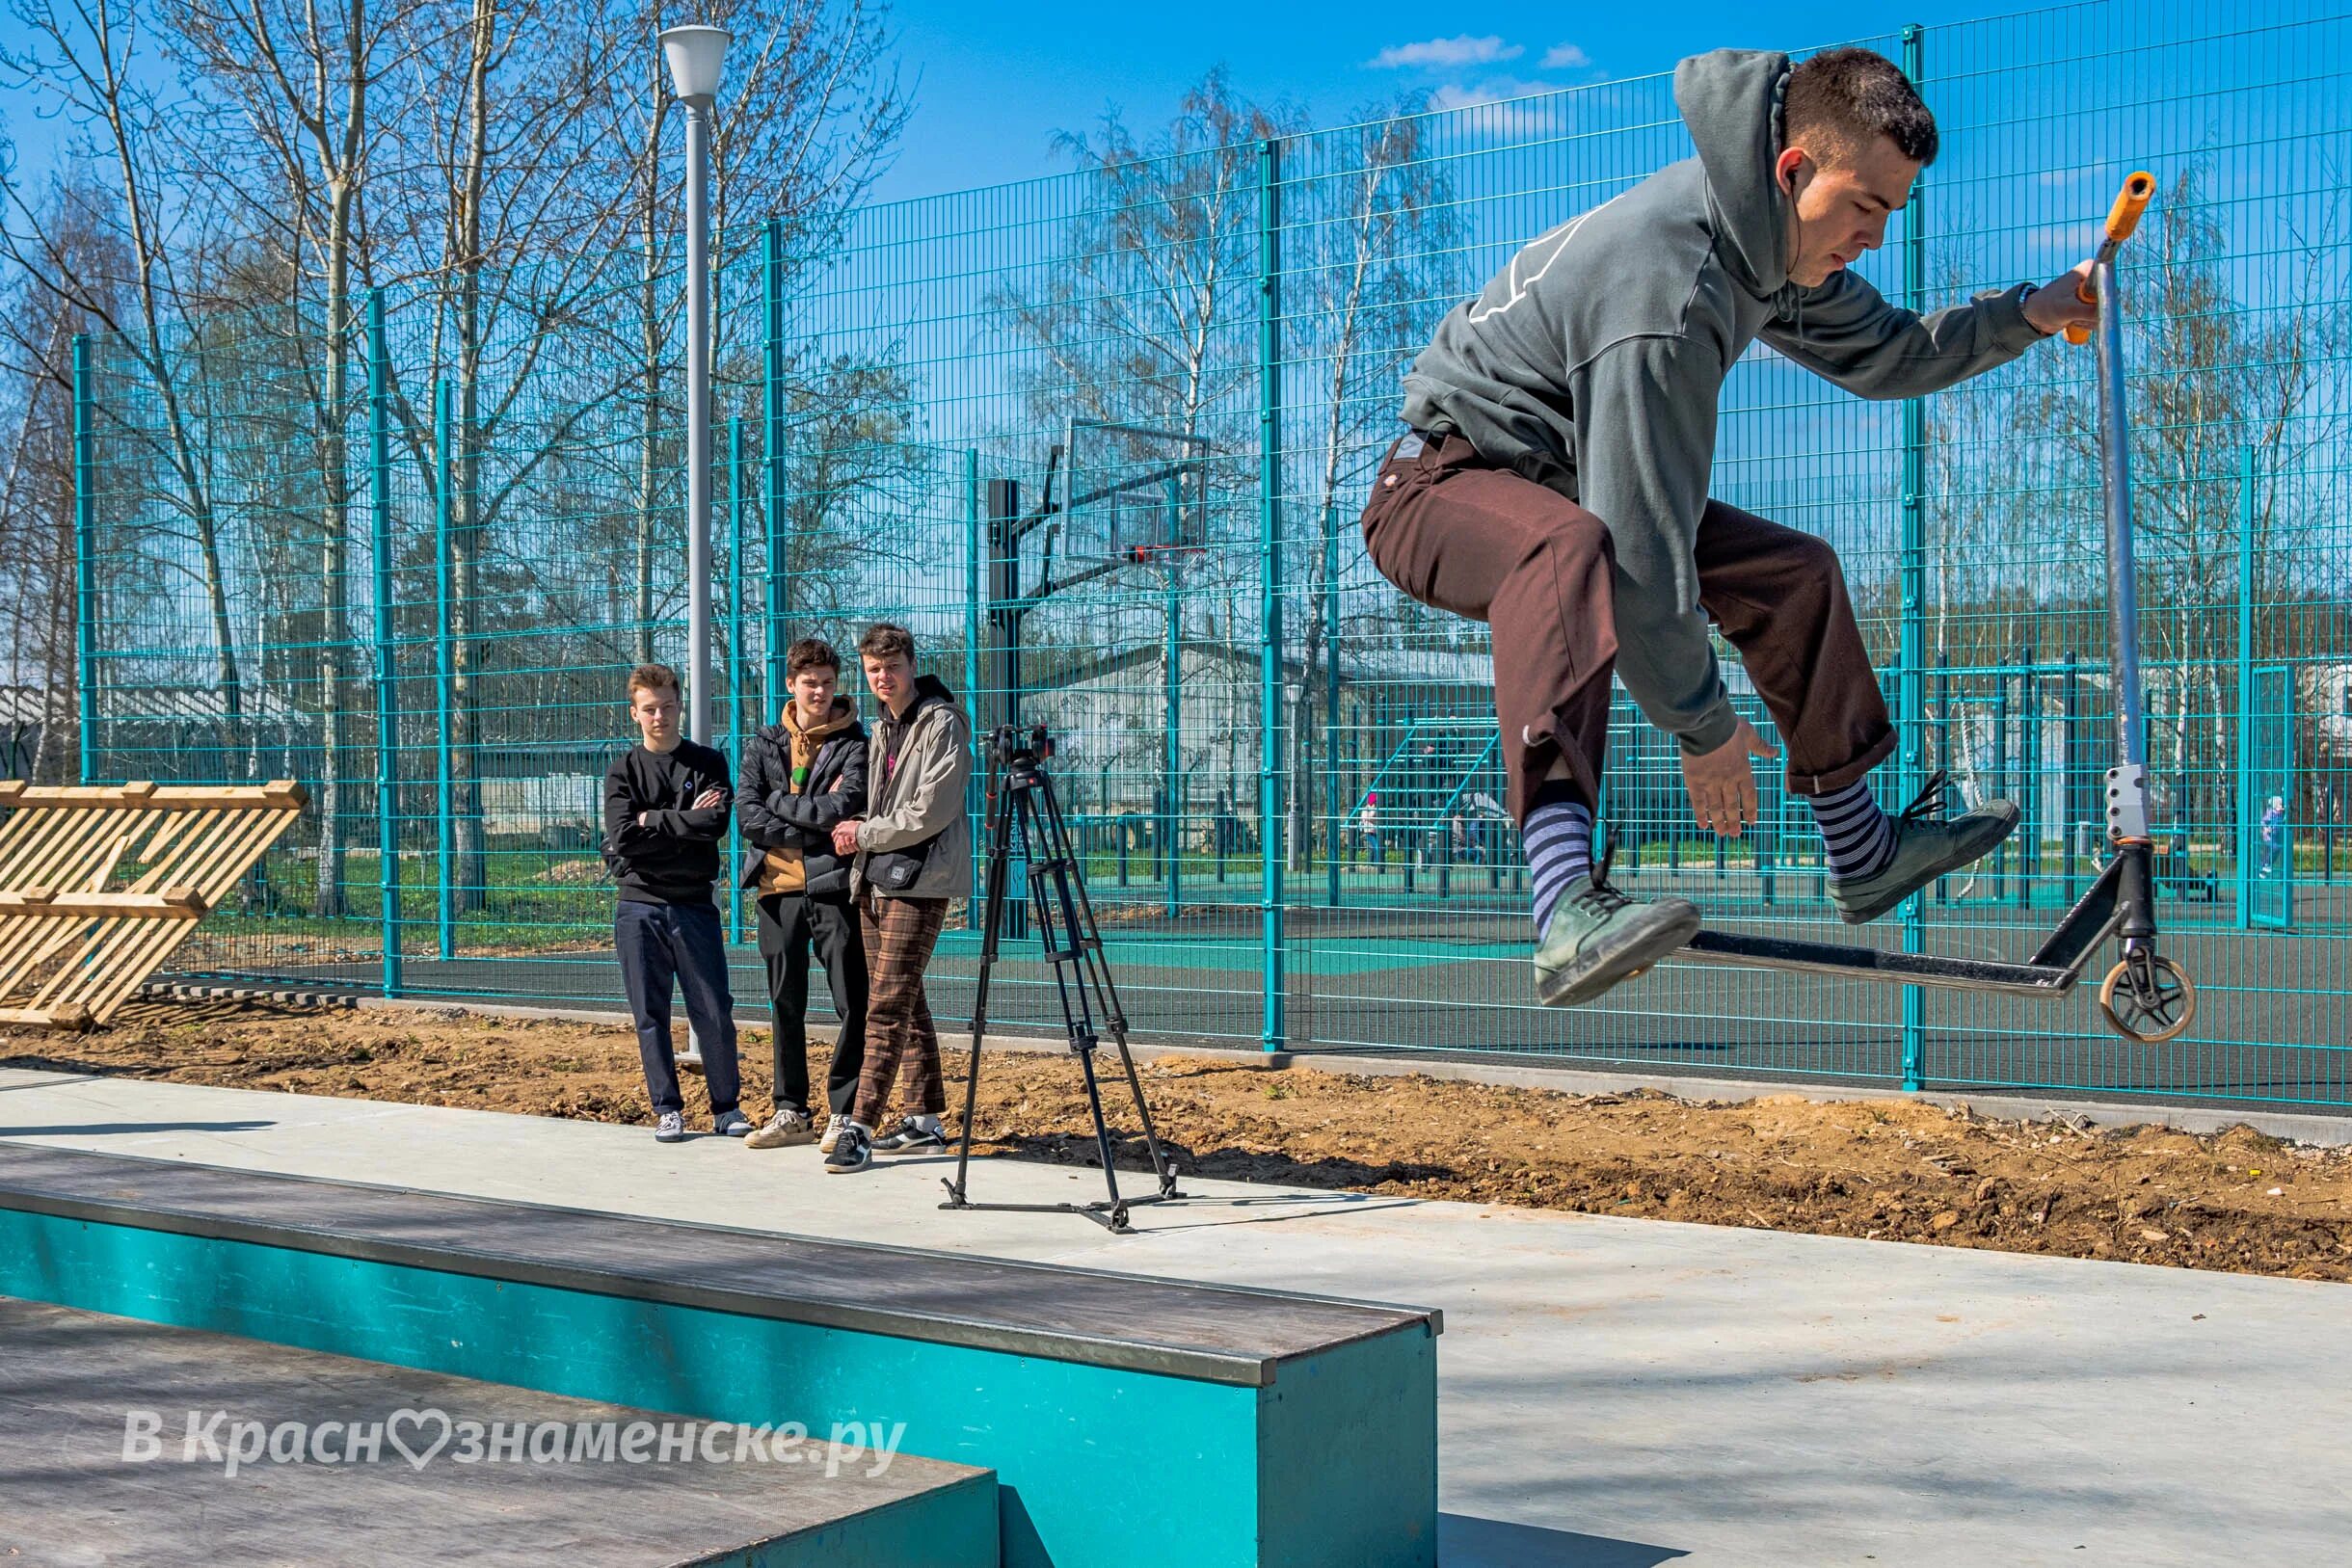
point(801, 776)
point(665, 812)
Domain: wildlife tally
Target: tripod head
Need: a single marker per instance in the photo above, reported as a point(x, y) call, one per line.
point(1013, 745)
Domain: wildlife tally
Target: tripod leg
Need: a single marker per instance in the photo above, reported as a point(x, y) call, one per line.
point(1101, 1129)
point(1086, 944)
point(1143, 1113)
point(992, 920)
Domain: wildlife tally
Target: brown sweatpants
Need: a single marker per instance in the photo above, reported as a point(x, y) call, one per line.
point(1455, 532)
point(900, 1041)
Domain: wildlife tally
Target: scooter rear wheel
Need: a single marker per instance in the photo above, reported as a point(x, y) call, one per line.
point(2151, 1020)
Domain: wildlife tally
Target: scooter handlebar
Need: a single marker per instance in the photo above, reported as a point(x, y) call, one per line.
point(2138, 188)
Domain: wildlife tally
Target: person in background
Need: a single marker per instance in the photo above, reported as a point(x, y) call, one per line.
point(2274, 833)
point(913, 855)
point(666, 802)
point(802, 775)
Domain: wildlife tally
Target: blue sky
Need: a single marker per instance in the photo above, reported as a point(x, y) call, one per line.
point(993, 83)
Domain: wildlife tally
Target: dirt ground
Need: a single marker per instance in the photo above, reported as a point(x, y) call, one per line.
point(1887, 1169)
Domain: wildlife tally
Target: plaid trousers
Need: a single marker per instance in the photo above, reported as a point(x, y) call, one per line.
point(900, 1039)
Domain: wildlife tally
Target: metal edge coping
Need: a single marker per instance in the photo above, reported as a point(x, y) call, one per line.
point(1135, 1355)
point(1435, 1316)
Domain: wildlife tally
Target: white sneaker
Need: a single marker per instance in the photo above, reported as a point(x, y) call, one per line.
point(670, 1128)
point(833, 1133)
point(782, 1131)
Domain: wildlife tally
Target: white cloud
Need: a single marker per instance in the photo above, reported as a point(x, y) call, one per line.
point(1463, 51)
point(1565, 57)
point(1490, 111)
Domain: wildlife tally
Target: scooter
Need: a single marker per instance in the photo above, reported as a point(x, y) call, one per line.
point(2146, 996)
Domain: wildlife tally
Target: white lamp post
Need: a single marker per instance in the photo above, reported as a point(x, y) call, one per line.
point(696, 57)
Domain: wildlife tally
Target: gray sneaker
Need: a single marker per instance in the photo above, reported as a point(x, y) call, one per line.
point(1597, 936)
point(785, 1130)
point(671, 1129)
point(1928, 845)
point(731, 1124)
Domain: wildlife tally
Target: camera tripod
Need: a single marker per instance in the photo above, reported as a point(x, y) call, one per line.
point(1027, 808)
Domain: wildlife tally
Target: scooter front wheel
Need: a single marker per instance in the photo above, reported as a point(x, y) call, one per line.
point(2151, 1007)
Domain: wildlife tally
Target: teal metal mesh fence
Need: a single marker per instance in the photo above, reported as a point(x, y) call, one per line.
point(1101, 439)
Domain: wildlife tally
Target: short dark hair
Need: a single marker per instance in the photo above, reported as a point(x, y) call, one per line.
point(653, 677)
point(806, 654)
point(883, 640)
point(1853, 95)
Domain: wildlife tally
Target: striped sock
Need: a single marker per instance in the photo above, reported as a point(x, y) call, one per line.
point(1558, 838)
point(1860, 837)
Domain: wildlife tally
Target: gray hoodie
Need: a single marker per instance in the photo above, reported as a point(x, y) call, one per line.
point(916, 770)
point(1592, 365)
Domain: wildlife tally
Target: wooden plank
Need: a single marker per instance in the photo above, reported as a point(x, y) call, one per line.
point(63, 843)
point(151, 941)
point(72, 1016)
point(173, 904)
point(76, 949)
point(20, 963)
point(280, 795)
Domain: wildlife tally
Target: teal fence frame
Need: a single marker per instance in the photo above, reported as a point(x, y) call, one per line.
point(890, 400)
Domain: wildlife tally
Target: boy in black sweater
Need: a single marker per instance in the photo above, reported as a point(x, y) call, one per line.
point(802, 775)
point(665, 810)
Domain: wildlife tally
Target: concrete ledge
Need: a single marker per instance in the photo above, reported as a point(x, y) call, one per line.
point(1276, 1431)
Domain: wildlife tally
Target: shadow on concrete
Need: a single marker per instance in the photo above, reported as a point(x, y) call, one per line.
point(78, 1129)
point(1464, 1542)
point(1229, 1165)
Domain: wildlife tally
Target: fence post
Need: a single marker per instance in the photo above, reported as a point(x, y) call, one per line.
point(1333, 808)
point(2245, 689)
point(975, 787)
point(773, 448)
point(85, 562)
point(1171, 763)
point(734, 667)
point(445, 674)
point(1274, 1036)
point(2070, 805)
point(388, 698)
point(1913, 709)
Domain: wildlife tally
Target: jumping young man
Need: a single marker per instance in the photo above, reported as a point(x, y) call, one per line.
point(665, 810)
point(1554, 485)
point(803, 776)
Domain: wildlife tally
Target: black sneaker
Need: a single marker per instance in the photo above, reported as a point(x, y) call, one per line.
point(852, 1150)
point(911, 1138)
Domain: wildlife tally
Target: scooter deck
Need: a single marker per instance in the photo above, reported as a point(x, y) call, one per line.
point(2051, 971)
point(1856, 962)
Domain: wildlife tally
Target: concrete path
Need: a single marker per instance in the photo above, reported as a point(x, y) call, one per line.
point(1614, 1392)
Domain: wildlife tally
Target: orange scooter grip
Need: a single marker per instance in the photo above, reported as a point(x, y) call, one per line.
point(2122, 219)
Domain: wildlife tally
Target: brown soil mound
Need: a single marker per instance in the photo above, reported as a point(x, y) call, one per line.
point(1891, 1169)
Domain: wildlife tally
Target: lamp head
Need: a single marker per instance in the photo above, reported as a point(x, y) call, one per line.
point(696, 56)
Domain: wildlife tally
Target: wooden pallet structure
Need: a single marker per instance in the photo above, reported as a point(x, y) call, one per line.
point(100, 884)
